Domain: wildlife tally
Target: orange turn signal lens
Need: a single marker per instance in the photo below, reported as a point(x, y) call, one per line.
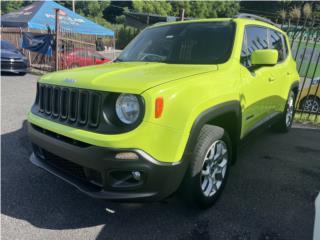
point(159, 107)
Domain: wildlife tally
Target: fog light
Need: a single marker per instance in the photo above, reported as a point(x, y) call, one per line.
point(127, 155)
point(136, 175)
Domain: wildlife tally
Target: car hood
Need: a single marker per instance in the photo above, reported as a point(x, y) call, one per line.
point(129, 77)
point(11, 54)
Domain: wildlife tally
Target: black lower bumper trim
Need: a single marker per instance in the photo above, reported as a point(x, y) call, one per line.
point(96, 171)
point(87, 188)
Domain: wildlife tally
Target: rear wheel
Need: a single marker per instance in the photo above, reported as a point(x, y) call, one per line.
point(209, 166)
point(285, 122)
point(311, 104)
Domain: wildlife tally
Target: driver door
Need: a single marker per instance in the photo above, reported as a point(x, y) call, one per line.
point(254, 94)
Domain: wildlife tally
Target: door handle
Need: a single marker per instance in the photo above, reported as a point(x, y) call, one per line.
point(288, 73)
point(271, 79)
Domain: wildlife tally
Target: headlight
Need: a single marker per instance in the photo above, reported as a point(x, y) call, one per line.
point(128, 108)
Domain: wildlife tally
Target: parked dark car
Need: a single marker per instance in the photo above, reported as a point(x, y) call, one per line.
point(12, 60)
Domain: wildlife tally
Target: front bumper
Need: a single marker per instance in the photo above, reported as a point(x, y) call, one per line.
point(96, 171)
point(17, 66)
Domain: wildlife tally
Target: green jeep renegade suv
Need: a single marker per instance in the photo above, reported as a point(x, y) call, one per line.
point(168, 113)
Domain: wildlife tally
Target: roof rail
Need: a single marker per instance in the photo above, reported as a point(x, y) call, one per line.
point(255, 17)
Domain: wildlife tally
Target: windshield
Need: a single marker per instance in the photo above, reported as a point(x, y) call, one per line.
point(188, 43)
point(7, 45)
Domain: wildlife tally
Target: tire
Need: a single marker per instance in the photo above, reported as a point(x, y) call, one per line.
point(310, 104)
point(285, 122)
point(207, 175)
point(22, 73)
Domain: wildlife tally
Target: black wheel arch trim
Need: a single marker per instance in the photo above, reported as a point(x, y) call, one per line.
point(294, 85)
point(211, 114)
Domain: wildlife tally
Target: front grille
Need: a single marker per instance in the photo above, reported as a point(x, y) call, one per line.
point(79, 107)
point(12, 65)
point(87, 109)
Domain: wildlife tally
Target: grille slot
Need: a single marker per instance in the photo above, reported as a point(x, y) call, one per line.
point(42, 99)
point(94, 108)
point(56, 102)
point(64, 102)
point(83, 107)
point(48, 100)
point(73, 105)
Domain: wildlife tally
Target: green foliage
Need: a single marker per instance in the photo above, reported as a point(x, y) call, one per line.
point(195, 9)
point(120, 19)
point(11, 6)
point(116, 9)
point(275, 9)
point(90, 9)
point(124, 36)
point(157, 7)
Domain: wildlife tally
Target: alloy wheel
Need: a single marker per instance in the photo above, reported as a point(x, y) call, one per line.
point(214, 168)
point(290, 109)
point(311, 106)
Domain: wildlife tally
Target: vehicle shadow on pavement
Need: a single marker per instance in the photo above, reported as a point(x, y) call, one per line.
point(271, 191)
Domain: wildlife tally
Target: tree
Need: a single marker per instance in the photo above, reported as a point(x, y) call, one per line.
point(214, 9)
point(163, 8)
point(115, 10)
point(279, 9)
point(11, 6)
point(90, 9)
point(194, 9)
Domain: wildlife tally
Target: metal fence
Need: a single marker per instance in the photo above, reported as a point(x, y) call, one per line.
point(35, 60)
point(74, 50)
point(304, 37)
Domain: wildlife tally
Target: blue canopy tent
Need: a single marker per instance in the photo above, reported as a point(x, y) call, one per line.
point(41, 15)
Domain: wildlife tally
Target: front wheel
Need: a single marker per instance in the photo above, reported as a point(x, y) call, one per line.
point(285, 122)
point(209, 166)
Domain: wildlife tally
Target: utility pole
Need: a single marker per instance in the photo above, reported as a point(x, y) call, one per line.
point(57, 27)
point(182, 14)
point(73, 5)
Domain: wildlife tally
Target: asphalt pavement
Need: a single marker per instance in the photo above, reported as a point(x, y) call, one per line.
point(269, 196)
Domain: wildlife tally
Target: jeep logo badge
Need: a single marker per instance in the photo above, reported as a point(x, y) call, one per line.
point(69, 80)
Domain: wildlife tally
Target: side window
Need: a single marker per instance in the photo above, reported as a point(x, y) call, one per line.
point(257, 38)
point(285, 46)
point(276, 41)
point(244, 58)
point(254, 38)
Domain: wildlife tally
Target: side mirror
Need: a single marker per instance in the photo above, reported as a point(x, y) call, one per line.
point(264, 57)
